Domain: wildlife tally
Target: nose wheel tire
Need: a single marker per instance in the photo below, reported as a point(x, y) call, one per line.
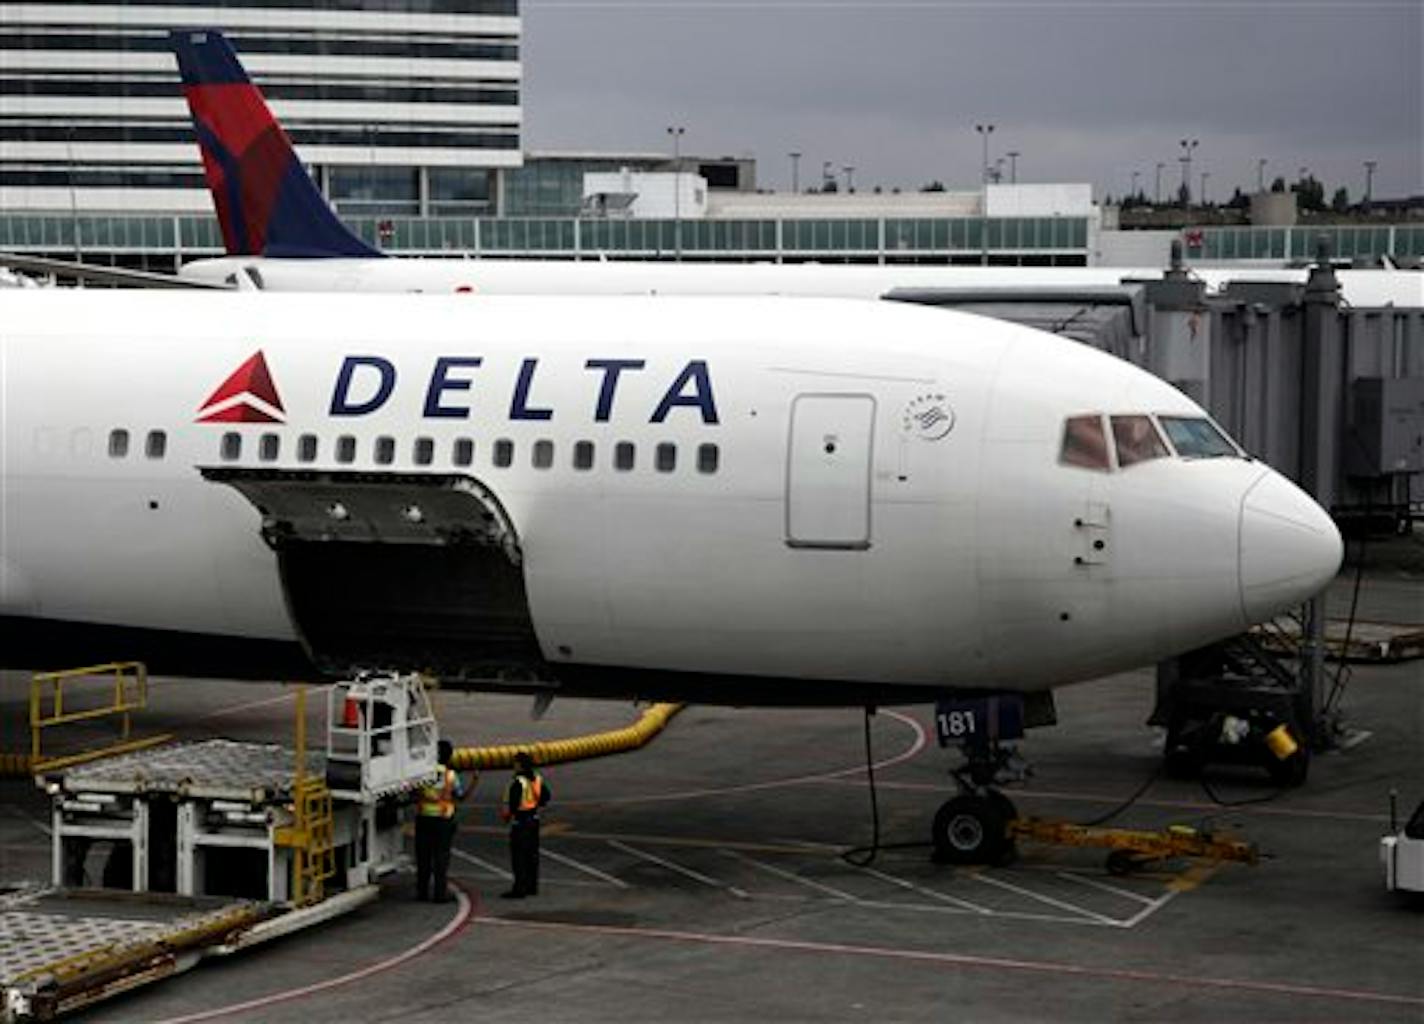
point(970, 829)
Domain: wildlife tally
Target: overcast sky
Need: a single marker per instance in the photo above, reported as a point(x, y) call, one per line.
point(1084, 91)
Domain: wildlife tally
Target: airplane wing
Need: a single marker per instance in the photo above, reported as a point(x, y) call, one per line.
point(99, 274)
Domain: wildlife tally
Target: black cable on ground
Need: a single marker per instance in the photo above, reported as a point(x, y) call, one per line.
point(1103, 819)
point(1245, 802)
point(864, 856)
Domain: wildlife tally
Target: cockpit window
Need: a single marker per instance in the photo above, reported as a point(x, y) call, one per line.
point(1137, 440)
point(1197, 438)
point(1085, 444)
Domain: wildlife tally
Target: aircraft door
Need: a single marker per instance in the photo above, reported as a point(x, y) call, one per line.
point(829, 470)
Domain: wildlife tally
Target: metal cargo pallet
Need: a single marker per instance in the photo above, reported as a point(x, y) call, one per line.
point(61, 950)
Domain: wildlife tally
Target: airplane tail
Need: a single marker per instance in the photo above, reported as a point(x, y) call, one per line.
point(267, 203)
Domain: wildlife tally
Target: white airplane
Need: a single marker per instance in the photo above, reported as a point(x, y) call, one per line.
point(736, 500)
point(281, 235)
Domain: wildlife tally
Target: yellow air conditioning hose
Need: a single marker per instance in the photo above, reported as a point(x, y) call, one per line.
point(576, 748)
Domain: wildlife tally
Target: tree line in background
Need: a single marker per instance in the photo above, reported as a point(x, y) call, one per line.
point(1309, 197)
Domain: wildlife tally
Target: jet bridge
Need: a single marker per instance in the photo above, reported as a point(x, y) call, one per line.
point(397, 571)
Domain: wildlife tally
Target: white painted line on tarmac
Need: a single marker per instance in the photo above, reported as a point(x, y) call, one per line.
point(791, 876)
point(1093, 883)
point(652, 858)
point(586, 869)
point(932, 893)
point(1049, 900)
point(471, 858)
point(1147, 912)
point(32, 820)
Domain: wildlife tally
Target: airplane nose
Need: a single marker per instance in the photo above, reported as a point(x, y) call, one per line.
point(1289, 548)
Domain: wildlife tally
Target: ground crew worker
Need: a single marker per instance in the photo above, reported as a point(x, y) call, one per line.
point(526, 794)
point(435, 828)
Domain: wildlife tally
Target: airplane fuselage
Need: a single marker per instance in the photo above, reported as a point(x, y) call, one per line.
point(815, 495)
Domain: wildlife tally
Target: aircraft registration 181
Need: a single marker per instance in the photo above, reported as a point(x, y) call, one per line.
point(746, 500)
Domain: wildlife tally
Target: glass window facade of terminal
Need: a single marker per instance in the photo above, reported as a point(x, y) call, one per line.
point(93, 102)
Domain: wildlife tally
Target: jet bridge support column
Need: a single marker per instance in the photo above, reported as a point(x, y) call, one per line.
point(1322, 381)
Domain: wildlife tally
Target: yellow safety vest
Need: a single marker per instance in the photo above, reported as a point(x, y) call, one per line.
point(530, 790)
point(439, 801)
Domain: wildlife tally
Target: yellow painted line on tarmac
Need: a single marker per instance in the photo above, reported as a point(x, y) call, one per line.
point(1193, 876)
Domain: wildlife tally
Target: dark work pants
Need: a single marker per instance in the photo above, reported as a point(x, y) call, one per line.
point(524, 855)
point(433, 837)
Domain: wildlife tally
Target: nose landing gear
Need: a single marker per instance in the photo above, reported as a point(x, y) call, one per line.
point(973, 827)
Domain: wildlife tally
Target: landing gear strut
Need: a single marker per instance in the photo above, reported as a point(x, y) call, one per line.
point(972, 827)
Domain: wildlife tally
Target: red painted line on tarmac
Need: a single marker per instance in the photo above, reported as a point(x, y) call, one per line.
point(964, 960)
point(464, 914)
point(750, 787)
point(1177, 805)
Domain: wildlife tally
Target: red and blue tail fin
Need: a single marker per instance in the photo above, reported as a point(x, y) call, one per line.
point(266, 202)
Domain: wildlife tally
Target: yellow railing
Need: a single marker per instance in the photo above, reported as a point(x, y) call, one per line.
point(310, 835)
point(129, 680)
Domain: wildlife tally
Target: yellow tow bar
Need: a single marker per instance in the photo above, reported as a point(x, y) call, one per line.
point(1133, 848)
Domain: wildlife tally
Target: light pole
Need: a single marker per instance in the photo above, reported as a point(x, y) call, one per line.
point(850, 177)
point(984, 130)
point(676, 131)
point(1187, 146)
point(1013, 156)
point(1370, 166)
point(1135, 176)
point(1204, 176)
point(1157, 184)
point(795, 171)
point(1261, 174)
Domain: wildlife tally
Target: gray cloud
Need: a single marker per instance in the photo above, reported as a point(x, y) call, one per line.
point(1086, 91)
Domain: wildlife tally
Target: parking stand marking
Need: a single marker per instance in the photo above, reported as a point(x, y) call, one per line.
point(944, 897)
point(586, 869)
point(791, 876)
point(1030, 894)
point(680, 869)
point(1104, 887)
point(480, 862)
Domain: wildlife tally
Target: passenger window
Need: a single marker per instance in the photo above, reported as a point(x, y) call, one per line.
point(623, 456)
point(346, 448)
point(119, 443)
point(1137, 440)
point(424, 451)
point(385, 450)
point(504, 453)
point(464, 452)
point(543, 454)
point(1085, 444)
point(268, 447)
point(231, 447)
point(707, 458)
point(583, 455)
point(1198, 438)
point(157, 444)
point(666, 458)
point(306, 448)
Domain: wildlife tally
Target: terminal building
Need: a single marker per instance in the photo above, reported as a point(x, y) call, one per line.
point(409, 114)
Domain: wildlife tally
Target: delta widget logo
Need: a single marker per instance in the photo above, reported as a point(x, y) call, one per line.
point(929, 417)
point(247, 396)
